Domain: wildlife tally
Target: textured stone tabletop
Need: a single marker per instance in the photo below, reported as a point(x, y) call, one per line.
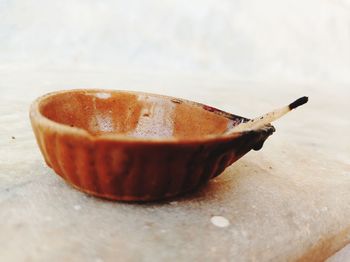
point(289, 201)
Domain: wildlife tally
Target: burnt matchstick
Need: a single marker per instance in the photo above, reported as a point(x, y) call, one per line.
point(268, 118)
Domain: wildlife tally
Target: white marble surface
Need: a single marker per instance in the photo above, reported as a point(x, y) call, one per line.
point(276, 204)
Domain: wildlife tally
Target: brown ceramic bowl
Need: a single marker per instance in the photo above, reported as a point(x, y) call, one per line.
point(135, 146)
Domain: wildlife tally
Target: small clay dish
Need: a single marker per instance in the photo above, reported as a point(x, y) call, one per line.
point(136, 146)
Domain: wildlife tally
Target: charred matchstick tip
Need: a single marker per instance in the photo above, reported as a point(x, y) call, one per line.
point(298, 102)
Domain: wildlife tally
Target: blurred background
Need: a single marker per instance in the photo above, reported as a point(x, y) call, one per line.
point(250, 40)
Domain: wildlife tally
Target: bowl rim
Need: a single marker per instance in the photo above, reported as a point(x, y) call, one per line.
point(37, 117)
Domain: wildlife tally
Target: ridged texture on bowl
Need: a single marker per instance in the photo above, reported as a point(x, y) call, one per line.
point(140, 171)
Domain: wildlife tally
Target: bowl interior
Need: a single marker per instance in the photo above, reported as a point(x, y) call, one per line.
point(135, 114)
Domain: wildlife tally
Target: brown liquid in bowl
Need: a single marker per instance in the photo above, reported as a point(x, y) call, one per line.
point(133, 114)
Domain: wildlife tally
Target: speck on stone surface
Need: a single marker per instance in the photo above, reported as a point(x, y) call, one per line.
point(77, 207)
point(220, 221)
